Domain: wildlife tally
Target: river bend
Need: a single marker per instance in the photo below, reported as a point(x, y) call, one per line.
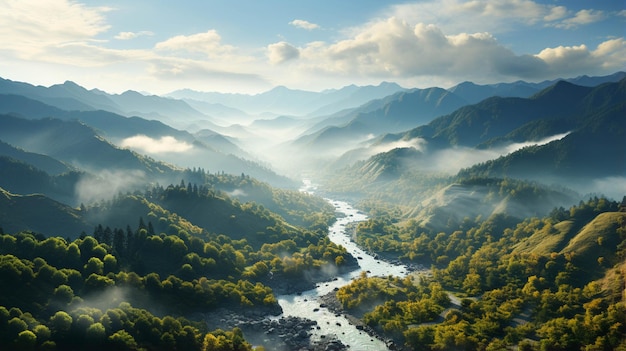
point(307, 305)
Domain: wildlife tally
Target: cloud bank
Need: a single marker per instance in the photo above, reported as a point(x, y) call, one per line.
point(166, 144)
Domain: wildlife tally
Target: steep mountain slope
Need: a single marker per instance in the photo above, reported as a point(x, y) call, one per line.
point(207, 149)
point(43, 162)
point(486, 198)
point(19, 177)
point(497, 122)
point(589, 241)
point(40, 214)
point(593, 149)
point(74, 143)
point(399, 112)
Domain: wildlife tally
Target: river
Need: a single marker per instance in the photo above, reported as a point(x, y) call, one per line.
point(307, 305)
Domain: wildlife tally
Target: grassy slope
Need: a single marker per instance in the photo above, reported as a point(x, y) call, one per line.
point(586, 241)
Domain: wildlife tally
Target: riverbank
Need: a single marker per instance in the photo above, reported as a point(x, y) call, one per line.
point(282, 285)
point(306, 322)
point(333, 304)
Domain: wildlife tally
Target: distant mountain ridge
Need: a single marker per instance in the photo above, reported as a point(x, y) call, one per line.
point(282, 100)
point(474, 93)
point(74, 143)
point(211, 149)
point(70, 96)
point(594, 117)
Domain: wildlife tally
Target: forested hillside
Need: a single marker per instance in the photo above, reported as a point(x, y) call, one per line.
point(102, 291)
point(491, 207)
point(551, 283)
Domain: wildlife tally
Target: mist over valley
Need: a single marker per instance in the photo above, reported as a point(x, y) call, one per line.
point(415, 176)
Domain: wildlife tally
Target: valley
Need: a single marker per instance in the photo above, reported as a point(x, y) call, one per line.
point(478, 217)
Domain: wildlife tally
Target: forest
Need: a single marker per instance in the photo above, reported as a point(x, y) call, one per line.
point(101, 291)
point(566, 295)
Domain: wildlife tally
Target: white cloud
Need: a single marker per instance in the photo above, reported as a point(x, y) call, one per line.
point(556, 13)
point(517, 146)
point(451, 160)
point(401, 45)
point(281, 52)
point(132, 35)
point(304, 24)
point(415, 143)
point(582, 17)
point(567, 60)
point(149, 145)
point(30, 27)
point(394, 48)
point(456, 16)
point(208, 43)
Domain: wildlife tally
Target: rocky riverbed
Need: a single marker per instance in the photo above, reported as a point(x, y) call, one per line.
point(331, 302)
point(312, 318)
point(284, 333)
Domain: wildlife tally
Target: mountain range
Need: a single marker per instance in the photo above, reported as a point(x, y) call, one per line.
point(589, 119)
point(545, 137)
point(478, 182)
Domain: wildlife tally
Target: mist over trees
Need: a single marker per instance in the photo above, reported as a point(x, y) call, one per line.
point(123, 232)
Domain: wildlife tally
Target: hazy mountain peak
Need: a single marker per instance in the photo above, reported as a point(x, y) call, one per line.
point(70, 86)
point(562, 90)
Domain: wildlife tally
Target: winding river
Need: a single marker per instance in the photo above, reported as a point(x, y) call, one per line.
point(307, 305)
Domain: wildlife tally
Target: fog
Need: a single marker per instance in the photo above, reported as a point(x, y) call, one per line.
point(612, 187)
point(165, 144)
point(107, 183)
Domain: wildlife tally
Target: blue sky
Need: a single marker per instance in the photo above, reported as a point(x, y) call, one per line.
point(251, 46)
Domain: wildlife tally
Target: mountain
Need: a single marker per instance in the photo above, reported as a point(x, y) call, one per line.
point(563, 104)
point(410, 109)
point(195, 209)
point(448, 207)
point(474, 93)
point(67, 96)
point(398, 112)
point(28, 108)
point(19, 177)
point(593, 149)
point(206, 149)
point(39, 214)
point(43, 162)
point(74, 143)
point(221, 114)
point(566, 134)
point(284, 101)
point(70, 96)
point(588, 237)
point(167, 110)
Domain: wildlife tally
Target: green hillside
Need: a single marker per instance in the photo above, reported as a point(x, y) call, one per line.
point(40, 214)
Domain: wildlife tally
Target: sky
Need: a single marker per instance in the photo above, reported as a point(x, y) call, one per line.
point(251, 46)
